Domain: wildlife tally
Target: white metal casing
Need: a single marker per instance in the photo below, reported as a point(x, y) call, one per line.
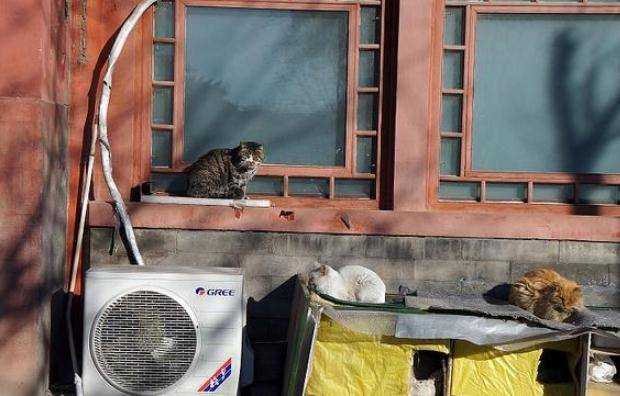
point(219, 320)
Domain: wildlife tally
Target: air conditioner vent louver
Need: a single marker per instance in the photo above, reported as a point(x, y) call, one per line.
point(144, 342)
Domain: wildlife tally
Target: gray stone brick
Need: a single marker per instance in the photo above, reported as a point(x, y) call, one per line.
point(100, 241)
point(511, 250)
point(441, 289)
point(443, 249)
point(99, 257)
point(149, 241)
point(278, 266)
point(279, 243)
point(589, 252)
point(99, 238)
point(597, 296)
point(225, 242)
point(195, 259)
point(320, 244)
point(591, 274)
point(614, 275)
point(584, 274)
point(385, 268)
point(435, 289)
point(452, 270)
point(153, 240)
point(257, 287)
point(392, 285)
point(477, 288)
point(394, 247)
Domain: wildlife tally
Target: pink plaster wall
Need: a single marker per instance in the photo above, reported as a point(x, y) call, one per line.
point(34, 99)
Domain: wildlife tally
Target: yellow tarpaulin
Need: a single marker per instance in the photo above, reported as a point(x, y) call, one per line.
point(484, 371)
point(347, 363)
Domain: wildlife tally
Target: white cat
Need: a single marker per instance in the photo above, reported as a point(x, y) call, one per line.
point(350, 283)
point(422, 387)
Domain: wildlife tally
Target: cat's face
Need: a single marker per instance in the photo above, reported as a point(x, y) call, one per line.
point(250, 154)
point(565, 299)
point(323, 278)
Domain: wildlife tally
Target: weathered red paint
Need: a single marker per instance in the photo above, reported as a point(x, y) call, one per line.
point(416, 210)
point(371, 222)
point(33, 118)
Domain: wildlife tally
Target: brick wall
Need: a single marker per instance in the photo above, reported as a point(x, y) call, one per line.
point(270, 260)
point(460, 266)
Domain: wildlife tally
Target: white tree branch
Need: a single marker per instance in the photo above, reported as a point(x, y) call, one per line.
point(106, 154)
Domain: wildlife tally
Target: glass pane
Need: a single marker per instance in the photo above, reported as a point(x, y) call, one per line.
point(450, 156)
point(451, 113)
point(161, 150)
point(278, 77)
point(164, 19)
point(598, 194)
point(366, 155)
point(459, 191)
point(371, 25)
point(162, 105)
point(369, 68)
point(355, 189)
point(562, 193)
point(173, 183)
point(267, 185)
point(163, 62)
point(453, 69)
point(367, 112)
point(551, 103)
point(311, 187)
point(454, 27)
point(506, 192)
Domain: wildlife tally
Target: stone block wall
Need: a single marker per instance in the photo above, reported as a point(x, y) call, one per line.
point(428, 265)
point(458, 266)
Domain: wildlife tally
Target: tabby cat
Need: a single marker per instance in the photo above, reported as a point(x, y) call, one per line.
point(225, 173)
point(547, 294)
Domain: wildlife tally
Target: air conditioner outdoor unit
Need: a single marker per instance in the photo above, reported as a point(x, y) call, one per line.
point(162, 331)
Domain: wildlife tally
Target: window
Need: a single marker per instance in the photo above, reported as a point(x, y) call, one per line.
point(303, 79)
point(530, 99)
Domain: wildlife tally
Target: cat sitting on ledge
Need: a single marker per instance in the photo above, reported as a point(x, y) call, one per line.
point(225, 173)
point(350, 283)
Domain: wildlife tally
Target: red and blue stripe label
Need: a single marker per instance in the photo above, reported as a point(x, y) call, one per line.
point(217, 378)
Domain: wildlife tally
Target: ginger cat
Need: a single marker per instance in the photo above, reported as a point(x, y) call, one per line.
point(547, 294)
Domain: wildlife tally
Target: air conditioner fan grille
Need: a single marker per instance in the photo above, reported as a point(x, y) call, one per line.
point(144, 342)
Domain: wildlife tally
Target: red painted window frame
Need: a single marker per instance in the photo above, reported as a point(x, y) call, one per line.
point(412, 210)
point(472, 10)
point(352, 133)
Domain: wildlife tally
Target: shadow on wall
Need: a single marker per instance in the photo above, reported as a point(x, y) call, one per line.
point(33, 254)
point(267, 328)
point(584, 125)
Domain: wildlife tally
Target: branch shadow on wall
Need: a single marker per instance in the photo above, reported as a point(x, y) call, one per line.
point(586, 111)
point(586, 123)
point(34, 254)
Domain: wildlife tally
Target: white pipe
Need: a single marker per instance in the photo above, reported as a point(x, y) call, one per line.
point(106, 154)
point(101, 129)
